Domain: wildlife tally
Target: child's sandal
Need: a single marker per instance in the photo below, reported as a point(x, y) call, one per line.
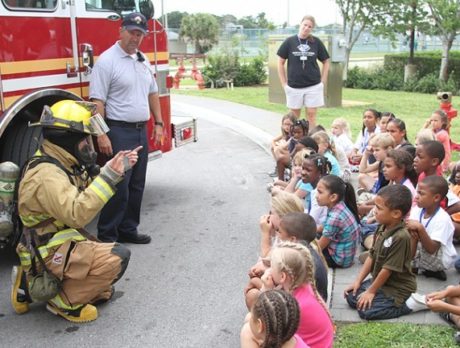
point(446, 317)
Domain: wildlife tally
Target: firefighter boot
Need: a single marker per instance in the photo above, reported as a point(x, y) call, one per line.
point(20, 298)
point(84, 314)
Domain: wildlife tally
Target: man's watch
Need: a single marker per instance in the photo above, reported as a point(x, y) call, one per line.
point(158, 123)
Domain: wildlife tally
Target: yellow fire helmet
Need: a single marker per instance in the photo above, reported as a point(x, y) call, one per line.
point(74, 116)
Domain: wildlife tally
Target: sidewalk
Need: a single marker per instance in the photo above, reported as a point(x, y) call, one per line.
point(261, 126)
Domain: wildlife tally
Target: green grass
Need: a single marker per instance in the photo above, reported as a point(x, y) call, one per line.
point(377, 334)
point(413, 108)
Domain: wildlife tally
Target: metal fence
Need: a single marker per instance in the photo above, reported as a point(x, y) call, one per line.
point(253, 42)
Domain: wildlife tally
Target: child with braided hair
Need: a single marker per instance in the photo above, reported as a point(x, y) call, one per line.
point(272, 322)
point(292, 270)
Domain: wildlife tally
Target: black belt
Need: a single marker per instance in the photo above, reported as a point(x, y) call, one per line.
point(124, 124)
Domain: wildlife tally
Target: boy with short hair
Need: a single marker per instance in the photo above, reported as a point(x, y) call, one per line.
point(428, 157)
point(430, 225)
point(301, 228)
point(384, 296)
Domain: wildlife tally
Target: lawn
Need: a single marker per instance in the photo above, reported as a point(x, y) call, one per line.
point(413, 108)
point(378, 334)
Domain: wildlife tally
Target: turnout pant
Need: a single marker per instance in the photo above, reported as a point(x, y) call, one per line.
point(88, 271)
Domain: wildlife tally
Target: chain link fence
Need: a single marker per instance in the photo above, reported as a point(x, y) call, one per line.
point(253, 42)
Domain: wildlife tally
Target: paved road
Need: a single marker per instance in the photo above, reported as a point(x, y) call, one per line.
point(201, 207)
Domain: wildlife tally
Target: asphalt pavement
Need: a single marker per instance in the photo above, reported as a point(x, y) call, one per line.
point(201, 207)
point(261, 126)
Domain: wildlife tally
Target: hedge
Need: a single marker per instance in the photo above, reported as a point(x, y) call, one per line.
point(427, 63)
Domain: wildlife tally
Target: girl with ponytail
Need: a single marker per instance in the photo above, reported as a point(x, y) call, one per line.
point(341, 228)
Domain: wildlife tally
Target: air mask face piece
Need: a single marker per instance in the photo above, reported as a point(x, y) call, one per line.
point(87, 156)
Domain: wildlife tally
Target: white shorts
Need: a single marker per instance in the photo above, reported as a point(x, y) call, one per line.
point(310, 97)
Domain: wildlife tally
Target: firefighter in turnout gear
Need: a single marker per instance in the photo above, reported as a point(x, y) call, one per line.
point(61, 190)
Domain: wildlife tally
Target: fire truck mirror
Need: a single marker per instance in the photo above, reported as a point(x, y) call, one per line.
point(120, 6)
point(146, 8)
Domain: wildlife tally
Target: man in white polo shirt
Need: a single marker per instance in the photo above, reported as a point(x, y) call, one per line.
point(125, 91)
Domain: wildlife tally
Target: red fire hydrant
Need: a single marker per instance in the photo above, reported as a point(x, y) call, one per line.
point(446, 106)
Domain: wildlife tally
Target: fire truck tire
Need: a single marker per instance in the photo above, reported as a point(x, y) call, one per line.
point(22, 142)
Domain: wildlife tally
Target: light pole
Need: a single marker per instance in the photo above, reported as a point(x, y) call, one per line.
point(288, 11)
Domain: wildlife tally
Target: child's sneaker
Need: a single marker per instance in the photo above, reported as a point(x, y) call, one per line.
point(416, 302)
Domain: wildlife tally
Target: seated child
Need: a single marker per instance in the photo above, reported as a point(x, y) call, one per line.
point(431, 229)
point(307, 143)
point(384, 119)
point(341, 135)
point(439, 123)
point(334, 154)
point(424, 135)
point(341, 228)
point(292, 270)
point(384, 295)
point(295, 184)
point(380, 144)
point(447, 303)
point(398, 168)
point(272, 322)
point(314, 167)
point(282, 203)
point(299, 228)
point(328, 150)
point(371, 118)
point(397, 129)
point(286, 123)
point(285, 152)
point(428, 157)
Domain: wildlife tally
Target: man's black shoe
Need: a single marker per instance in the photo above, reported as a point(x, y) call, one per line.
point(441, 275)
point(137, 239)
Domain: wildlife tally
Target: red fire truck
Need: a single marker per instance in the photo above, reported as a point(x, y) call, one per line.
point(47, 50)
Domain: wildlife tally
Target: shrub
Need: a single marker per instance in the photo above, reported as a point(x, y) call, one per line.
point(426, 62)
point(373, 79)
point(221, 67)
point(228, 67)
point(427, 84)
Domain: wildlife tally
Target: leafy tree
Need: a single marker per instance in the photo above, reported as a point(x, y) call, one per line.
point(258, 22)
point(247, 22)
point(382, 17)
point(446, 17)
point(404, 16)
point(174, 19)
point(201, 29)
point(227, 19)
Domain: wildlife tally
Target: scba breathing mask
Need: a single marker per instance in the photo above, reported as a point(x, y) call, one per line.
point(87, 156)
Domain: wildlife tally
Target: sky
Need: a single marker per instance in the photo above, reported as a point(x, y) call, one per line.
point(324, 11)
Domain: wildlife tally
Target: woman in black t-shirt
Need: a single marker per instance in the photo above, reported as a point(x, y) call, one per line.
point(304, 85)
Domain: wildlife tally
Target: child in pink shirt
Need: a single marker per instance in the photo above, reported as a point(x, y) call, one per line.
point(292, 270)
point(439, 124)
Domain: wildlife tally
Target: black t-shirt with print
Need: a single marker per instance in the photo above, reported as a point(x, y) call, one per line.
point(302, 60)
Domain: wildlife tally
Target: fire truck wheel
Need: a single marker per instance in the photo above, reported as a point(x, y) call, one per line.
point(21, 143)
